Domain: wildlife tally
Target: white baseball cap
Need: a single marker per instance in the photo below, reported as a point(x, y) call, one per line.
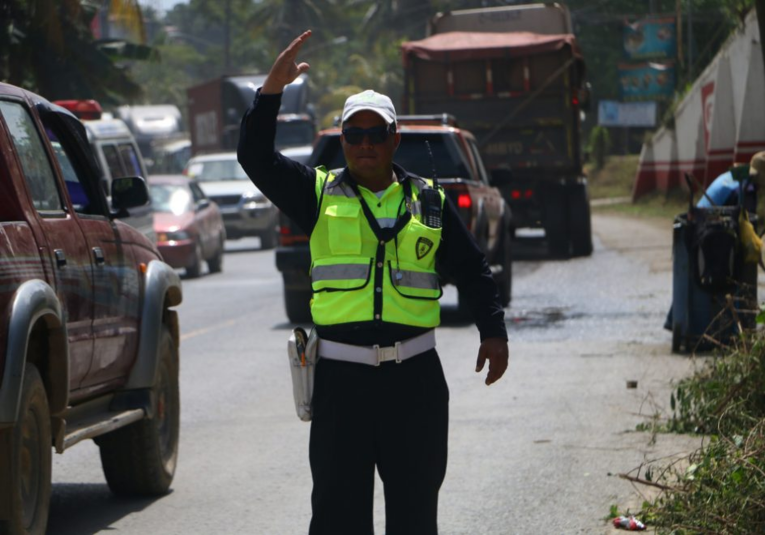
point(371, 101)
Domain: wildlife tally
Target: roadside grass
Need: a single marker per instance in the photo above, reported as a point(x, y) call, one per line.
point(721, 487)
point(615, 182)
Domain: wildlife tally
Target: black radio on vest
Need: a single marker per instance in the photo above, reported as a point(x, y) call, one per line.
point(431, 199)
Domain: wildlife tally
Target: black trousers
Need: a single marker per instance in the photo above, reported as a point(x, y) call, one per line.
point(393, 417)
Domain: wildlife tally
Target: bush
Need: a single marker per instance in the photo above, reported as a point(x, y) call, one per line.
point(599, 145)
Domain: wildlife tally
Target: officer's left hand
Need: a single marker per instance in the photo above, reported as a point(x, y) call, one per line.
point(495, 351)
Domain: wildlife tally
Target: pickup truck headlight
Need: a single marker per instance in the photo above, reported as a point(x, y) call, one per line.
point(254, 199)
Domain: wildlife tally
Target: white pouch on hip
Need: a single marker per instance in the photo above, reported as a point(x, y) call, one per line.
point(302, 353)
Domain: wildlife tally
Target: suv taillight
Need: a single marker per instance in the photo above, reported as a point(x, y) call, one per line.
point(288, 234)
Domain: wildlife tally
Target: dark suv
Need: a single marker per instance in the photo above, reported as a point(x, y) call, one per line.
point(89, 340)
point(451, 155)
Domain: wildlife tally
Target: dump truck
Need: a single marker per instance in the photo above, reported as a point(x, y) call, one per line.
point(216, 108)
point(515, 77)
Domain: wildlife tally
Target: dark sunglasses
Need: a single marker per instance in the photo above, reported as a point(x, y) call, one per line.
point(377, 135)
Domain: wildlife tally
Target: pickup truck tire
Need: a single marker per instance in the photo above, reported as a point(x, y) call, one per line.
point(268, 240)
point(505, 282)
point(140, 459)
point(29, 440)
point(297, 304)
point(194, 270)
point(580, 219)
point(215, 262)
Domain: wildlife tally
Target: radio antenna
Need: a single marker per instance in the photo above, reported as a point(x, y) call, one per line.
point(432, 164)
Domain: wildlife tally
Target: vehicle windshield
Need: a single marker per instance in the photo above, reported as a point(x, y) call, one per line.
point(412, 155)
point(293, 134)
point(216, 171)
point(170, 198)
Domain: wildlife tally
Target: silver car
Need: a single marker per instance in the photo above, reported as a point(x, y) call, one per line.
point(245, 210)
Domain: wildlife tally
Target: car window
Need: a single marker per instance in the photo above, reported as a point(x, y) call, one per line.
point(74, 185)
point(130, 162)
point(113, 161)
point(170, 198)
point(484, 177)
point(412, 154)
point(197, 193)
point(38, 172)
point(216, 170)
point(446, 162)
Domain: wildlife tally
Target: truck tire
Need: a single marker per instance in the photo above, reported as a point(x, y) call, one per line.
point(297, 304)
point(28, 447)
point(580, 221)
point(557, 231)
point(140, 459)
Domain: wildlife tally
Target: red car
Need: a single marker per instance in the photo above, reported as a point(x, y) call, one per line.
point(189, 226)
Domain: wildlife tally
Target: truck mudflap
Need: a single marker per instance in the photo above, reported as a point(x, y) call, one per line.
point(33, 301)
point(162, 290)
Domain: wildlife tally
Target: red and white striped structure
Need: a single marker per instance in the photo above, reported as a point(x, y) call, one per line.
point(719, 122)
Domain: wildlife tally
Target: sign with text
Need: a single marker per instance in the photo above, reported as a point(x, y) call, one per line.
point(646, 81)
point(650, 39)
point(627, 114)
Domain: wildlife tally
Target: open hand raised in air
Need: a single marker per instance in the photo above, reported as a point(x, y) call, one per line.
point(286, 69)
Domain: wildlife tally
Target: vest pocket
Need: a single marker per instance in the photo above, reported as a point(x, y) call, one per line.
point(343, 226)
point(340, 274)
point(414, 284)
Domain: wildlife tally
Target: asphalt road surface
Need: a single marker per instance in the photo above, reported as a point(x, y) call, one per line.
point(537, 452)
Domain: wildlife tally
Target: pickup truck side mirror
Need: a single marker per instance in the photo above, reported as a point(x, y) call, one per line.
point(128, 192)
point(202, 204)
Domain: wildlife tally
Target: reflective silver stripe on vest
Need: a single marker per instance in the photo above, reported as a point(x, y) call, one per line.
point(339, 272)
point(339, 190)
point(415, 279)
point(386, 222)
point(416, 210)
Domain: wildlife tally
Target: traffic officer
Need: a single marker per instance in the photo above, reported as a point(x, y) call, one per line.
point(380, 398)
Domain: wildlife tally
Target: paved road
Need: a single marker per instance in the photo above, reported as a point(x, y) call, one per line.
point(531, 454)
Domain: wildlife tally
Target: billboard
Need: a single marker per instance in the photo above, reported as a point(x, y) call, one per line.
point(650, 39)
point(627, 114)
point(646, 81)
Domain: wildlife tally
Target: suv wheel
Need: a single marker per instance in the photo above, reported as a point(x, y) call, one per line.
point(140, 459)
point(215, 263)
point(28, 447)
point(194, 270)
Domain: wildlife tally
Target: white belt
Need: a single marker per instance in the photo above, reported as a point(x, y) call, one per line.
point(374, 355)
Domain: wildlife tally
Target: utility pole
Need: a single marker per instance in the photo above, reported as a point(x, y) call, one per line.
point(227, 38)
point(759, 5)
point(689, 48)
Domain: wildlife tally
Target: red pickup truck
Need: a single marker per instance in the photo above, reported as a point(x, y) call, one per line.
point(88, 337)
point(457, 165)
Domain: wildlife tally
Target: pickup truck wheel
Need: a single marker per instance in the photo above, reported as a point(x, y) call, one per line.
point(505, 283)
point(140, 459)
point(28, 447)
point(215, 263)
point(297, 304)
point(194, 270)
point(268, 240)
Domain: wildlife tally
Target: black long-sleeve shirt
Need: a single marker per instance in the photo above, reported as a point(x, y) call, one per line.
point(291, 187)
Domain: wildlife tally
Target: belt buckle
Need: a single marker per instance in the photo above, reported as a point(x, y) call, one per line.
point(387, 353)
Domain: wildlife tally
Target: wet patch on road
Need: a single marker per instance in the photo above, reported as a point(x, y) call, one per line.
point(546, 317)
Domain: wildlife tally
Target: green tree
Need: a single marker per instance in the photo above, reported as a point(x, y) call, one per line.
point(47, 46)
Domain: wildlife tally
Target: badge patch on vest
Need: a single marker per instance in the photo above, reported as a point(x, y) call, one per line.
point(424, 246)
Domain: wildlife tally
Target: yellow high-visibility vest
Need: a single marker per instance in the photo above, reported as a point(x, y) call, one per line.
point(356, 278)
